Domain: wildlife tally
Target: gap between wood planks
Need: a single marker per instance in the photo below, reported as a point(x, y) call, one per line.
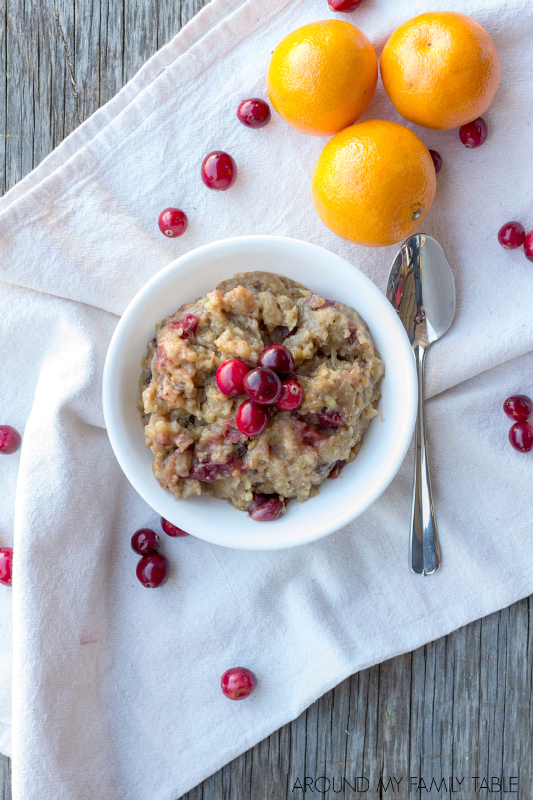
point(70, 66)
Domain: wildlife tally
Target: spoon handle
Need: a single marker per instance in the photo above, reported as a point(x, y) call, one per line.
point(425, 557)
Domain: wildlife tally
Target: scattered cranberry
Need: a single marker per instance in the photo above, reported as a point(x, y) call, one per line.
point(254, 113)
point(251, 419)
point(278, 358)
point(230, 376)
point(473, 134)
point(265, 508)
point(145, 541)
point(262, 386)
point(172, 530)
point(219, 171)
point(152, 570)
point(437, 160)
point(330, 419)
point(521, 436)
point(6, 566)
point(238, 683)
point(344, 5)
point(187, 324)
point(10, 439)
point(291, 396)
point(511, 235)
point(518, 407)
point(528, 246)
point(173, 222)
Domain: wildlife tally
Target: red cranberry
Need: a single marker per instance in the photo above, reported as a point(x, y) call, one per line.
point(219, 171)
point(145, 541)
point(162, 357)
point(209, 471)
point(353, 339)
point(172, 530)
point(437, 160)
point(254, 113)
point(265, 508)
point(238, 683)
point(152, 570)
point(187, 324)
point(315, 302)
point(230, 376)
point(344, 5)
point(473, 134)
point(6, 566)
point(511, 235)
point(231, 433)
point(312, 437)
point(173, 222)
point(262, 386)
point(291, 396)
point(330, 419)
point(258, 500)
point(251, 419)
point(528, 246)
point(518, 407)
point(271, 510)
point(521, 436)
point(278, 358)
point(336, 470)
point(10, 439)
point(307, 433)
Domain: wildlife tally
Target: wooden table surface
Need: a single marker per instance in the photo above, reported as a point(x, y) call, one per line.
point(459, 707)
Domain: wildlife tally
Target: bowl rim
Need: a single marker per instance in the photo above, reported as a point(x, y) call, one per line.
point(113, 357)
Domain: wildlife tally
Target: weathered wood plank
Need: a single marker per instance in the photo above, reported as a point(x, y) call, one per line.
point(5, 778)
point(460, 706)
point(3, 94)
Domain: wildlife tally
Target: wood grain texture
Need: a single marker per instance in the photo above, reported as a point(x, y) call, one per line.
point(460, 706)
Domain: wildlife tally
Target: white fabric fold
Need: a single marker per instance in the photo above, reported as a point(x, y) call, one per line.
point(104, 671)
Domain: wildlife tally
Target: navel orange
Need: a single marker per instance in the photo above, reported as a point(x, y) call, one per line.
point(321, 77)
point(374, 183)
point(440, 69)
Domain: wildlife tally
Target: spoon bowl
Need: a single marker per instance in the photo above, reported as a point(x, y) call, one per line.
point(422, 289)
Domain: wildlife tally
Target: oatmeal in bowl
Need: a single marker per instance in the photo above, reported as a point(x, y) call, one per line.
point(258, 392)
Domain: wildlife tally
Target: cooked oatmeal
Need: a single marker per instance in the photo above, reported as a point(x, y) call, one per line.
point(190, 426)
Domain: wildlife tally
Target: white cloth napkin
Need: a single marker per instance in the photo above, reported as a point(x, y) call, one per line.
point(116, 688)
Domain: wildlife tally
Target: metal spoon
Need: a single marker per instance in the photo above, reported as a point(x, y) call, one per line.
point(422, 290)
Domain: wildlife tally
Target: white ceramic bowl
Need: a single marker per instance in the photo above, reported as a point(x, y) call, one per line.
point(385, 442)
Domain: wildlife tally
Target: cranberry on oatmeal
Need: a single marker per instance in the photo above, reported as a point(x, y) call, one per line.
point(287, 337)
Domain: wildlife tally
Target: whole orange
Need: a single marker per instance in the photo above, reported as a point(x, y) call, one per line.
point(321, 77)
point(440, 69)
point(374, 183)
